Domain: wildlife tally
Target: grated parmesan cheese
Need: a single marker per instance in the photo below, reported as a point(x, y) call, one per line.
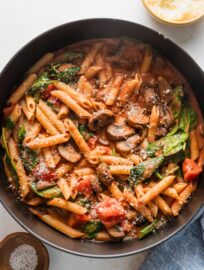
point(24, 257)
point(176, 10)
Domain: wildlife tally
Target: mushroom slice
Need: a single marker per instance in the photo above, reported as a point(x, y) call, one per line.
point(119, 132)
point(129, 144)
point(165, 90)
point(69, 153)
point(137, 118)
point(116, 233)
point(104, 175)
point(101, 119)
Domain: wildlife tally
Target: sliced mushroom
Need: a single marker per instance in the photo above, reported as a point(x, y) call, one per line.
point(119, 132)
point(114, 232)
point(101, 119)
point(129, 144)
point(165, 90)
point(104, 175)
point(41, 185)
point(150, 98)
point(69, 153)
point(137, 117)
point(166, 117)
point(96, 185)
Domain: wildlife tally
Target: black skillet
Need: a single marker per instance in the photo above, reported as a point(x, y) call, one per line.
point(53, 40)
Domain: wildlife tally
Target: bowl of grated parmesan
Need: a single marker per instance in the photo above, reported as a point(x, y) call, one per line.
point(176, 12)
point(22, 251)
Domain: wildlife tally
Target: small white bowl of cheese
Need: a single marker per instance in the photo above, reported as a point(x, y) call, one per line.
point(178, 12)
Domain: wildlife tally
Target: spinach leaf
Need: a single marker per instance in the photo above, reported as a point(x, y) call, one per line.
point(148, 229)
point(175, 105)
point(73, 55)
point(40, 84)
point(187, 118)
point(169, 145)
point(9, 124)
point(66, 76)
point(144, 170)
point(85, 202)
point(48, 193)
point(92, 228)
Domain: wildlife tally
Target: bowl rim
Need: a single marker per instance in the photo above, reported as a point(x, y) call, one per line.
point(124, 254)
point(171, 22)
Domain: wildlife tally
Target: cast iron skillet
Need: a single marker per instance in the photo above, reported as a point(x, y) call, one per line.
point(53, 40)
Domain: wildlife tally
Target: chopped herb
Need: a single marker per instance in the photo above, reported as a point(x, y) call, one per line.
point(158, 175)
point(148, 229)
point(92, 228)
point(66, 76)
point(85, 132)
point(40, 84)
point(9, 124)
point(85, 202)
point(21, 134)
point(29, 158)
point(50, 104)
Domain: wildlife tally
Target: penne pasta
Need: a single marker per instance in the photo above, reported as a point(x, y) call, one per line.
point(63, 169)
point(113, 160)
point(113, 90)
point(45, 122)
point(75, 134)
point(156, 189)
point(29, 115)
point(66, 99)
point(64, 186)
point(120, 169)
point(67, 205)
point(163, 206)
point(52, 116)
point(63, 111)
point(78, 97)
point(48, 141)
point(116, 192)
point(46, 58)
point(147, 60)
point(88, 60)
point(33, 132)
point(92, 71)
point(142, 209)
point(153, 123)
point(20, 91)
point(129, 87)
point(183, 196)
point(57, 224)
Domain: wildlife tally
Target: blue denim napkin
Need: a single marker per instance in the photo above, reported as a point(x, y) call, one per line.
point(185, 251)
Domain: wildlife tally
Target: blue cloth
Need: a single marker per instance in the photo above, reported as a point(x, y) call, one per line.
point(185, 251)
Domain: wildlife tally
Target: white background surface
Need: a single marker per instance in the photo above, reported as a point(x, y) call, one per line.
point(22, 20)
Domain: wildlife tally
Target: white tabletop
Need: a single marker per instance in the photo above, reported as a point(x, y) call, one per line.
point(22, 20)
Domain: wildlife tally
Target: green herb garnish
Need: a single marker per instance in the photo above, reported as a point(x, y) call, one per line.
point(92, 228)
point(9, 124)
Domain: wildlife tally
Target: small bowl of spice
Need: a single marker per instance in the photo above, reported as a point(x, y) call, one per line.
point(22, 251)
point(176, 12)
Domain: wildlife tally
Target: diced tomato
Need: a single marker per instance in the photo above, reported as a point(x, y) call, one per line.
point(7, 111)
point(110, 212)
point(84, 187)
point(44, 174)
point(82, 218)
point(191, 170)
point(92, 142)
point(46, 93)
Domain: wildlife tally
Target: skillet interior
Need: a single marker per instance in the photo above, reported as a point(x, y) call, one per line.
point(56, 39)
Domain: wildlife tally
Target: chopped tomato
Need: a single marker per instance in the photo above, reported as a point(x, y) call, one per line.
point(44, 174)
point(7, 111)
point(191, 170)
point(84, 187)
point(46, 93)
point(110, 212)
point(92, 142)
